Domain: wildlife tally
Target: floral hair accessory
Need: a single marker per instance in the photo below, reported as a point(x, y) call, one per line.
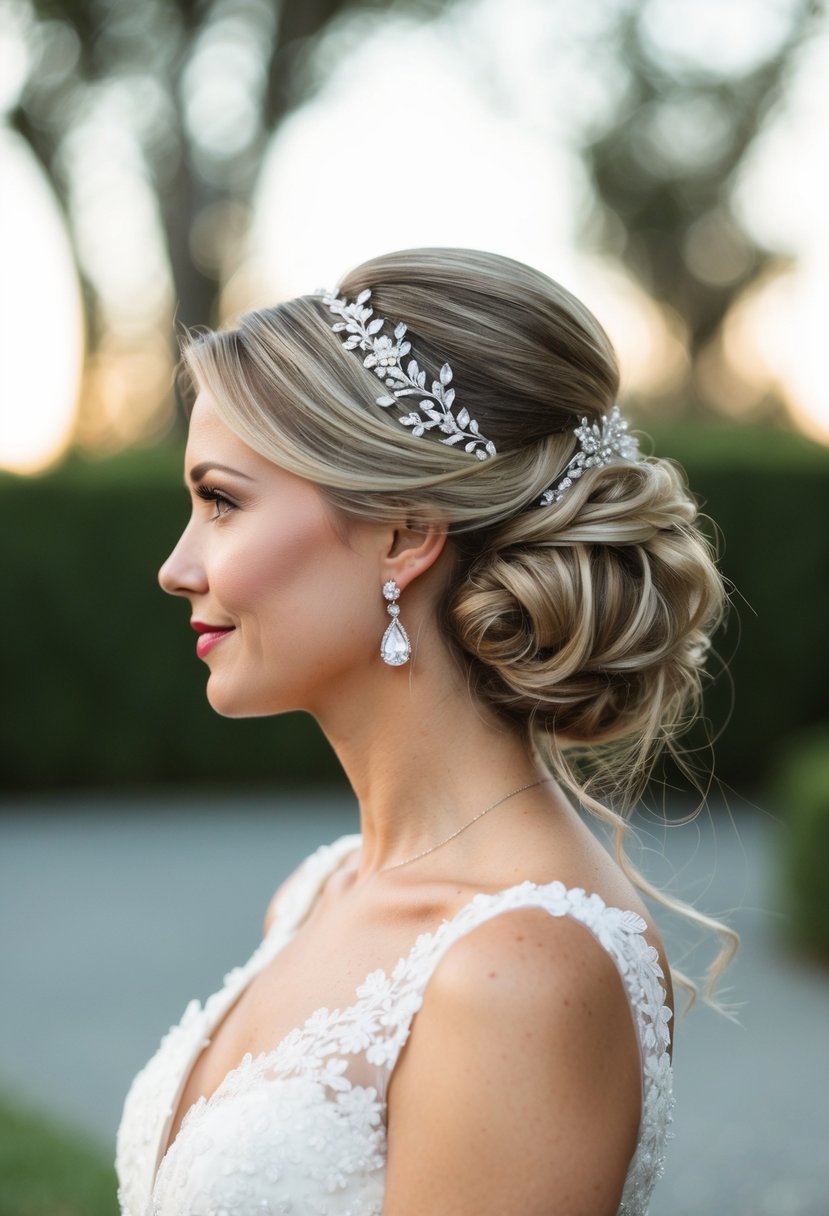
point(600, 444)
point(385, 358)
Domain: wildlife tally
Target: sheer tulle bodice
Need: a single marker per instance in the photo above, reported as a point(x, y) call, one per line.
point(301, 1129)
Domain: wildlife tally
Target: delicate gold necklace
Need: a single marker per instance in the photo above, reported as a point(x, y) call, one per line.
point(530, 785)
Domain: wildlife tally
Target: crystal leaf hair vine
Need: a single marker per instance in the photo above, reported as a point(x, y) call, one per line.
point(600, 443)
point(385, 358)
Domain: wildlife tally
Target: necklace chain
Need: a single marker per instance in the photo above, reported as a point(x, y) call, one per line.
point(530, 785)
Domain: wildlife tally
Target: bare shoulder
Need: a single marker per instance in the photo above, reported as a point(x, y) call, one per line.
point(273, 905)
point(339, 852)
point(521, 1077)
point(527, 970)
point(528, 959)
point(281, 896)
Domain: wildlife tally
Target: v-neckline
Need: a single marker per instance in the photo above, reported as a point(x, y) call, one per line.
point(268, 954)
point(423, 941)
point(203, 1102)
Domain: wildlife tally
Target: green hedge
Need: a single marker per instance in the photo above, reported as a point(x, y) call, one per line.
point(101, 685)
point(802, 794)
point(101, 682)
point(768, 493)
point(48, 1170)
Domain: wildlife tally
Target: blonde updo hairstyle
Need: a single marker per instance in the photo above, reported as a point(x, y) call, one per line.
point(585, 624)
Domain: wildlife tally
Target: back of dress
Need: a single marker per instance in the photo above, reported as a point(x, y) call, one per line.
point(301, 1129)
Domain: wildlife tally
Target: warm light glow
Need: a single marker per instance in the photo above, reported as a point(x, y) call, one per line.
point(781, 198)
point(771, 338)
point(318, 214)
point(525, 210)
point(650, 342)
point(458, 176)
point(514, 190)
point(804, 378)
point(476, 150)
point(125, 388)
point(41, 326)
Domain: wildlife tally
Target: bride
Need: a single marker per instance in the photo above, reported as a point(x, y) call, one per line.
point(418, 515)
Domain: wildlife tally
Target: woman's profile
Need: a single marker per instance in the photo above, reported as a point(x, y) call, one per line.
point(418, 515)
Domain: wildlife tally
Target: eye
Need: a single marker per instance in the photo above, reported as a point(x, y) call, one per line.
point(221, 501)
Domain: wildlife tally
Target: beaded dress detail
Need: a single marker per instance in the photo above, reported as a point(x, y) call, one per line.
point(300, 1130)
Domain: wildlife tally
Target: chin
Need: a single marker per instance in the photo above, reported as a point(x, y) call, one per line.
point(228, 703)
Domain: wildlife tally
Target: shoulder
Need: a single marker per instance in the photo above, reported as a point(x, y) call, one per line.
point(525, 967)
point(523, 1065)
point(302, 883)
point(272, 910)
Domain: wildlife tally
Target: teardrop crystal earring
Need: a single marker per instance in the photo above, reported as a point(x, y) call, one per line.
point(395, 648)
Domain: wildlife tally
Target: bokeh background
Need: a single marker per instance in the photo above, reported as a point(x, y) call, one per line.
point(173, 163)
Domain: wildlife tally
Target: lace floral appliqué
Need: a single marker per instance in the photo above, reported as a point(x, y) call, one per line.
point(291, 1131)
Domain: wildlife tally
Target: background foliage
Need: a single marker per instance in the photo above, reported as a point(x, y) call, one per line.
point(152, 124)
point(107, 689)
point(47, 1169)
point(802, 790)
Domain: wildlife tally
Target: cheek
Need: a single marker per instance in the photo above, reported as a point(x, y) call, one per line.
point(285, 573)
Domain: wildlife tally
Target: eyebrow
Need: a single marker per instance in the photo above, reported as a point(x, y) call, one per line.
point(198, 470)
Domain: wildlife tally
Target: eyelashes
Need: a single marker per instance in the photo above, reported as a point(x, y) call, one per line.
point(222, 503)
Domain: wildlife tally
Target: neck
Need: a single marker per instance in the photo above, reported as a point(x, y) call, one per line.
point(425, 760)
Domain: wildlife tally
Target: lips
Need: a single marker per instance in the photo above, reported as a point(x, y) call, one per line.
point(209, 636)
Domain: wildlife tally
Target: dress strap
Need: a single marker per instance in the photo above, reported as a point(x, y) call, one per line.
point(305, 884)
point(619, 932)
point(333, 1042)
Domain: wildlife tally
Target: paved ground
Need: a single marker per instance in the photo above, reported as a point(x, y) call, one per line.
point(115, 912)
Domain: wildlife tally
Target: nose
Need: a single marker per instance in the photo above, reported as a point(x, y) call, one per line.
point(183, 572)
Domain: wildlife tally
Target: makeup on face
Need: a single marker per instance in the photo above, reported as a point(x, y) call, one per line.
point(209, 636)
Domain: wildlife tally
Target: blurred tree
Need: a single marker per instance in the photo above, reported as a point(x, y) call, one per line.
point(185, 95)
point(664, 160)
point(179, 99)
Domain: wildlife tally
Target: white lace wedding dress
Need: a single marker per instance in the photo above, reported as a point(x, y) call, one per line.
point(300, 1130)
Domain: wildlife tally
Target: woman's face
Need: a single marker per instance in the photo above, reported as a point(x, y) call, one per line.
point(285, 605)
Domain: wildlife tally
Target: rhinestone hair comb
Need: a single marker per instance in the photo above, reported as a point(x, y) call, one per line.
point(384, 356)
point(600, 444)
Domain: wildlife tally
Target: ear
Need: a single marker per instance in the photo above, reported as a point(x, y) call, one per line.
point(410, 553)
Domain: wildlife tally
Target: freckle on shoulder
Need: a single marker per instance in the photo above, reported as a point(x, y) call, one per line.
point(567, 972)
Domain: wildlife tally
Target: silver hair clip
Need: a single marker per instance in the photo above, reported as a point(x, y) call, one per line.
point(600, 444)
point(385, 357)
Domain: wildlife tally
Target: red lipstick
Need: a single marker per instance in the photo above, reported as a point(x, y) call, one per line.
point(209, 636)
